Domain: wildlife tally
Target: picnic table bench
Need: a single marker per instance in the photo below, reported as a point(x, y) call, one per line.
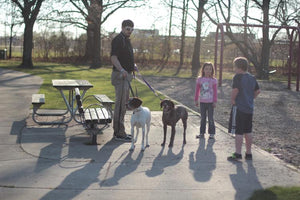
point(91, 111)
point(63, 86)
point(94, 114)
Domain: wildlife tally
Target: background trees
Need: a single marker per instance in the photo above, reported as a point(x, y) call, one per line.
point(181, 17)
point(221, 11)
point(29, 11)
point(91, 14)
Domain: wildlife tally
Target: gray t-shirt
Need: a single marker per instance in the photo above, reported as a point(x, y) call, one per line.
point(247, 85)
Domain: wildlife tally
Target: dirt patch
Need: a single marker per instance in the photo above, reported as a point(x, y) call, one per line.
point(276, 125)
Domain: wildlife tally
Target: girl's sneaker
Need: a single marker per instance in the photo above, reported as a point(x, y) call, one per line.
point(248, 156)
point(234, 157)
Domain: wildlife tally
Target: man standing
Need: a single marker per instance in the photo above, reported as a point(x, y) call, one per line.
point(244, 90)
point(123, 67)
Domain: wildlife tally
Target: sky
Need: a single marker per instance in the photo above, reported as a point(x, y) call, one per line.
point(156, 17)
point(144, 18)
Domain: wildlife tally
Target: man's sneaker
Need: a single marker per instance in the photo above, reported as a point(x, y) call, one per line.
point(234, 157)
point(200, 136)
point(126, 138)
point(211, 136)
point(248, 156)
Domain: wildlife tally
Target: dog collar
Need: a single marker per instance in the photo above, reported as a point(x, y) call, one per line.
point(136, 110)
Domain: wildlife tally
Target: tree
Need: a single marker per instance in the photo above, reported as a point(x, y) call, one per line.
point(90, 15)
point(167, 41)
point(29, 11)
point(185, 7)
point(12, 20)
point(196, 54)
point(259, 58)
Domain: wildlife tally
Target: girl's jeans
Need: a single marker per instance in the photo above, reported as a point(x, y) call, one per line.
point(207, 108)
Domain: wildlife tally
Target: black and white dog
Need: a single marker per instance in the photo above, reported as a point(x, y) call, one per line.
point(140, 118)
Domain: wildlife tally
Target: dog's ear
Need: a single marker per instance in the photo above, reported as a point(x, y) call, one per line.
point(161, 103)
point(172, 104)
point(134, 103)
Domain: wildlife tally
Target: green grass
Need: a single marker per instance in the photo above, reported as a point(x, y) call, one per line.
point(277, 193)
point(100, 78)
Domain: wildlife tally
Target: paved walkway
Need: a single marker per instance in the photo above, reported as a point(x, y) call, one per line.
point(54, 162)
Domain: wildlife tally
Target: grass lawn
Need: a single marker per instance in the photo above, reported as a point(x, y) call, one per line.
point(277, 193)
point(100, 78)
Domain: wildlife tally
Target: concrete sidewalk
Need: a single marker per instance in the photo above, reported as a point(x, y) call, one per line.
point(54, 162)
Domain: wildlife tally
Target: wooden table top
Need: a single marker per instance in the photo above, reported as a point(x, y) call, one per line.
point(69, 84)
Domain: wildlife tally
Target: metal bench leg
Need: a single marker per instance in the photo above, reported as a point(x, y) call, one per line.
point(94, 134)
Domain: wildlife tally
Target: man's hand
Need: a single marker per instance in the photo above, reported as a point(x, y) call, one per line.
point(135, 68)
point(124, 73)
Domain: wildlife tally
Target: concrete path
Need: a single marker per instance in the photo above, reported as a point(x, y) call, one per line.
point(55, 162)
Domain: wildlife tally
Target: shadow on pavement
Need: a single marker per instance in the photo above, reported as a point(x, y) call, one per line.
point(163, 161)
point(204, 161)
point(244, 181)
point(84, 176)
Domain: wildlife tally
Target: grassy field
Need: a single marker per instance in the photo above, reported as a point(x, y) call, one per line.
point(277, 193)
point(100, 78)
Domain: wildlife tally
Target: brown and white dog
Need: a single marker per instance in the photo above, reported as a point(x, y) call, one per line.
point(140, 118)
point(171, 116)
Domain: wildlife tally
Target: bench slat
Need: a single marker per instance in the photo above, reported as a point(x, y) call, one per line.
point(38, 99)
point(97, 115)
point(103, 115)
point(102, 98)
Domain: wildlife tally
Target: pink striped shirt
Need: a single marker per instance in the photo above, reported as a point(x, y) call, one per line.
point(206, 89)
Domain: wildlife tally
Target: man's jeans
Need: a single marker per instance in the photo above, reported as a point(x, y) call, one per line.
point(207, 108)
point(122, 95)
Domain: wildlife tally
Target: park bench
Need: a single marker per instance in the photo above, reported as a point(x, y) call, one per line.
point(94, 114)
point(37, 100)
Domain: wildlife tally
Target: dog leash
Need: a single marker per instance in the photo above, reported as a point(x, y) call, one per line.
point(131, 90)
point(149, 86)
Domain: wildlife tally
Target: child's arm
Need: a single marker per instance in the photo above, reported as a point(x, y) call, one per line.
point(215, 92)
point(197, 92)
point(234, 93)
point(256, 93)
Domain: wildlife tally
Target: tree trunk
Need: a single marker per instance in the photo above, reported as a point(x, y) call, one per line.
point(10, 40)
point(96, 59)
point(167, 44)
point(94, 34)
point(89, 43)
point(27, 46)
point(196, 54)
point(265, 52)
point(29, 13)
point(183, 29)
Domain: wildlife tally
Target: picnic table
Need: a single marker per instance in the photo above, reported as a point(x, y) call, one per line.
point(61, 85)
